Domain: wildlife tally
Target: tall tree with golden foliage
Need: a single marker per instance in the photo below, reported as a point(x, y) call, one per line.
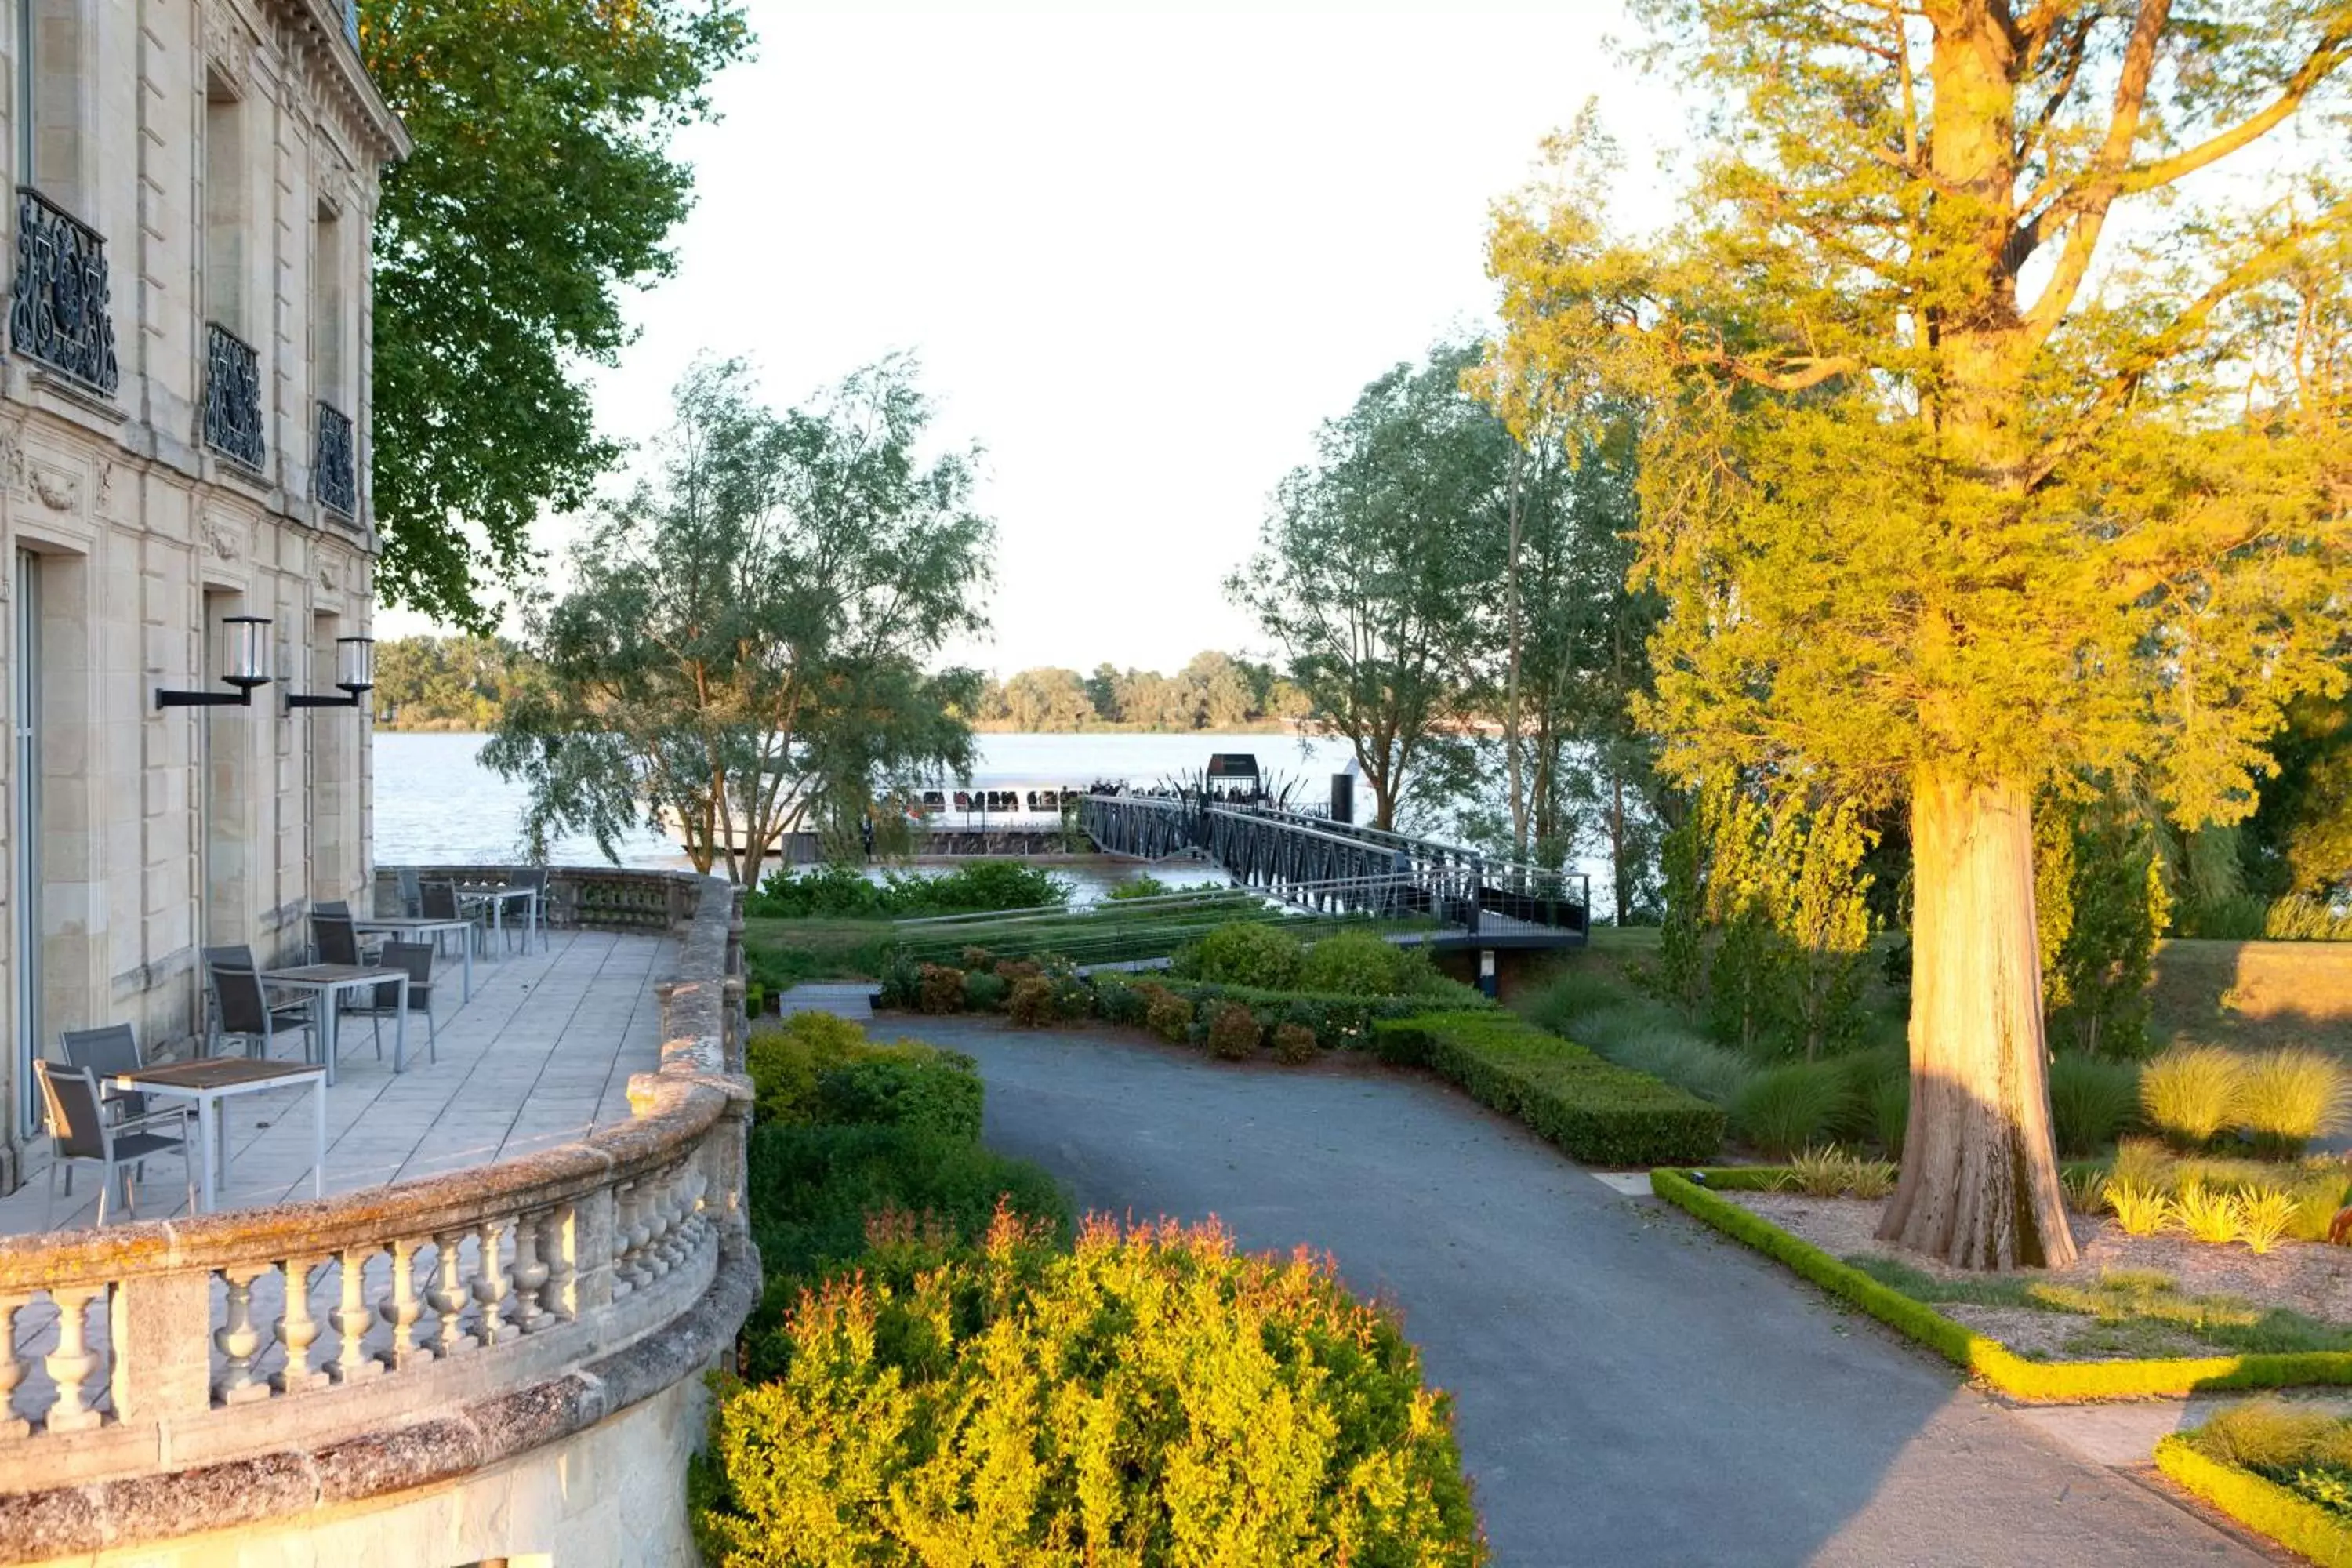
point(1994, 441)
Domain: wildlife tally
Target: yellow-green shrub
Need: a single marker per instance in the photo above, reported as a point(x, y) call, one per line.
point(2207, 1214)
point(2191, 1092)
point(814, 1067)
point(2288, 1097)
point(1151, 1396)
point(1166, 1013)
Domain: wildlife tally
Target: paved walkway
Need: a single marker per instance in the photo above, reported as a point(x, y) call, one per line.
point(1631, 1389)
point(539, 1057)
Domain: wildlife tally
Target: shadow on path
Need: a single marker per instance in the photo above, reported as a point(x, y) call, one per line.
point(1629, 1389)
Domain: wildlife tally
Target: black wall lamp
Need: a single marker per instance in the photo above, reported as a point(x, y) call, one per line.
point(244, 638)
point(354, 673)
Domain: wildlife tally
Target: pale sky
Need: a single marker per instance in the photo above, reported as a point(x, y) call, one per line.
point(1140, 255)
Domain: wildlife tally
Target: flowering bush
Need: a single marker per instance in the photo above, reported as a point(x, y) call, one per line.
point(1031, 1003)
point(1233, 1032)
point(1150, 1396)
point(939, 989)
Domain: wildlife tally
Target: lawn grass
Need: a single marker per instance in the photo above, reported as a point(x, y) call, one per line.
point(2135, 1312)
point(781, 953)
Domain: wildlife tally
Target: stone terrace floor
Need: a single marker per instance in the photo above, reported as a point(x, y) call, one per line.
point(539, 1057)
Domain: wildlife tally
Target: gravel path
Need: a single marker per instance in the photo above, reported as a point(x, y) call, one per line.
point(1631, 1389)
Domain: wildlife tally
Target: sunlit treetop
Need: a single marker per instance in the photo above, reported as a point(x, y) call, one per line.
point(1995, 385)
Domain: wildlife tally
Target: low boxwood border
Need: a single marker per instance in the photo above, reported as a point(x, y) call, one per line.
point(2041, 1382)
point(2263, 1506)
point(1592, 1109)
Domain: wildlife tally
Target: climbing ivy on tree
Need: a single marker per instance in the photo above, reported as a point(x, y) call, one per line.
point(540, 186)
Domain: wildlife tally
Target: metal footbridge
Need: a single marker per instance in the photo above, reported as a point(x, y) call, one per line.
point(1338, 867)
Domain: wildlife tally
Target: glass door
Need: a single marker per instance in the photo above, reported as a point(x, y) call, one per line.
point(26, 836)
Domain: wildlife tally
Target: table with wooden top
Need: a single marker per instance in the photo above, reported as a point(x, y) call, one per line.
point(208, 1083)
point(325, 981)
point(414, 927)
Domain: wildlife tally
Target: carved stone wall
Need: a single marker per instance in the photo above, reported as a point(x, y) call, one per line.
point(138, 507)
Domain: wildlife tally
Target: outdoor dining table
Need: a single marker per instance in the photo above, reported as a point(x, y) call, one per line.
point(400, 924)
point(497, 898)
point(325, 981)
point(210, 1082)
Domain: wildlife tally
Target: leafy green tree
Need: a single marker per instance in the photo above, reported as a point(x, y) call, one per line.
point(2116, 908)
point(1102, 692)
point(1949, 485)
point(1370, 571)
point(1220, 690)
point(1049, 702)
point(745, 649)
point(539, 186)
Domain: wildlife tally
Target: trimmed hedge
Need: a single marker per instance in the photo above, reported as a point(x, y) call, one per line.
point(1594, 1110)
point(2045, 1382)
point(1339, 1023)
point(2264, 1506)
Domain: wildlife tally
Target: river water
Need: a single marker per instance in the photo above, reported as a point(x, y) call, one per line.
point(437, 805)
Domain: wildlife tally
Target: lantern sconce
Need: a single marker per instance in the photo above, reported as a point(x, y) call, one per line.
point(354, 673)
point(244, 638)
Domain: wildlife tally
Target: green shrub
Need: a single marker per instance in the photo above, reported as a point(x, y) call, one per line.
point(1594, 1110)
point(939, 989)
point(978, 958)
point(1357, 963)
point(903, 1085)
point(784, 1057)
point(809, 1192)
point(1031, 1003)
point(2190, 1093)
point(1151, 1396)
point(1233, 1032)
point(1143, 885)
point(834, 892)
point(2288, 1097)
point(1256, 954)
point(1166, 1013)
point(1890, 1112)
point(2091, 1102)
point(1294, 1044)
point(1788, 1108)
point(983, 992)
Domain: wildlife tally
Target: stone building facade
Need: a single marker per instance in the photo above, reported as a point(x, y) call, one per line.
point(184, 437)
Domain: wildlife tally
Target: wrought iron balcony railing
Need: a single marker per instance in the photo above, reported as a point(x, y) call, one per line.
point(333, 476)
point(233, 396)
point(60, 311)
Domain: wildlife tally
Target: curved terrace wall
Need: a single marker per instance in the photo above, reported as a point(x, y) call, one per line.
point(499, 1363)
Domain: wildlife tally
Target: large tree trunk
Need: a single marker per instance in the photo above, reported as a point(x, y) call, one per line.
point(1979, 1186)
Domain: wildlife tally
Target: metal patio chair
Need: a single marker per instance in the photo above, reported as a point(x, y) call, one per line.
point(411, 895)
point(416, 958)
point(535, 879)
point(241, 1010)
point(78, 1129)
point(440, 903)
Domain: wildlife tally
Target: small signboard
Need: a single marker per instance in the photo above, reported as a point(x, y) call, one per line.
point(1233, 766)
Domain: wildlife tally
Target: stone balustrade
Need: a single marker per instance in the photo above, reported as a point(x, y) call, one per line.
point(163, 1378)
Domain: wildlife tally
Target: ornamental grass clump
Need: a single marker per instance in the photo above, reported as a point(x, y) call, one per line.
point(1786, 1109)
point(1151, 1395)
point(2288, 1097)
point(2265, 1215)
point(2190, 1093)
point(2140, 1210)
point(2210, 1214)
point(2092, 1101)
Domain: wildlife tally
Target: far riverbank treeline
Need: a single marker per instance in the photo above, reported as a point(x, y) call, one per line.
point(449, 683)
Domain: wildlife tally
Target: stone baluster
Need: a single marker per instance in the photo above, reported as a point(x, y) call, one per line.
point(644, 1196)
point(652, 1256)
point(352, 1319)
point(449, 1298)
point(681, 1216)
point(238, 1340)
point(12, 1369)
point(491, 1287)
point(403, 1307)
point(298, 1329)
point(624, 1221)
point(531, 1272)
point(72, 1363)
